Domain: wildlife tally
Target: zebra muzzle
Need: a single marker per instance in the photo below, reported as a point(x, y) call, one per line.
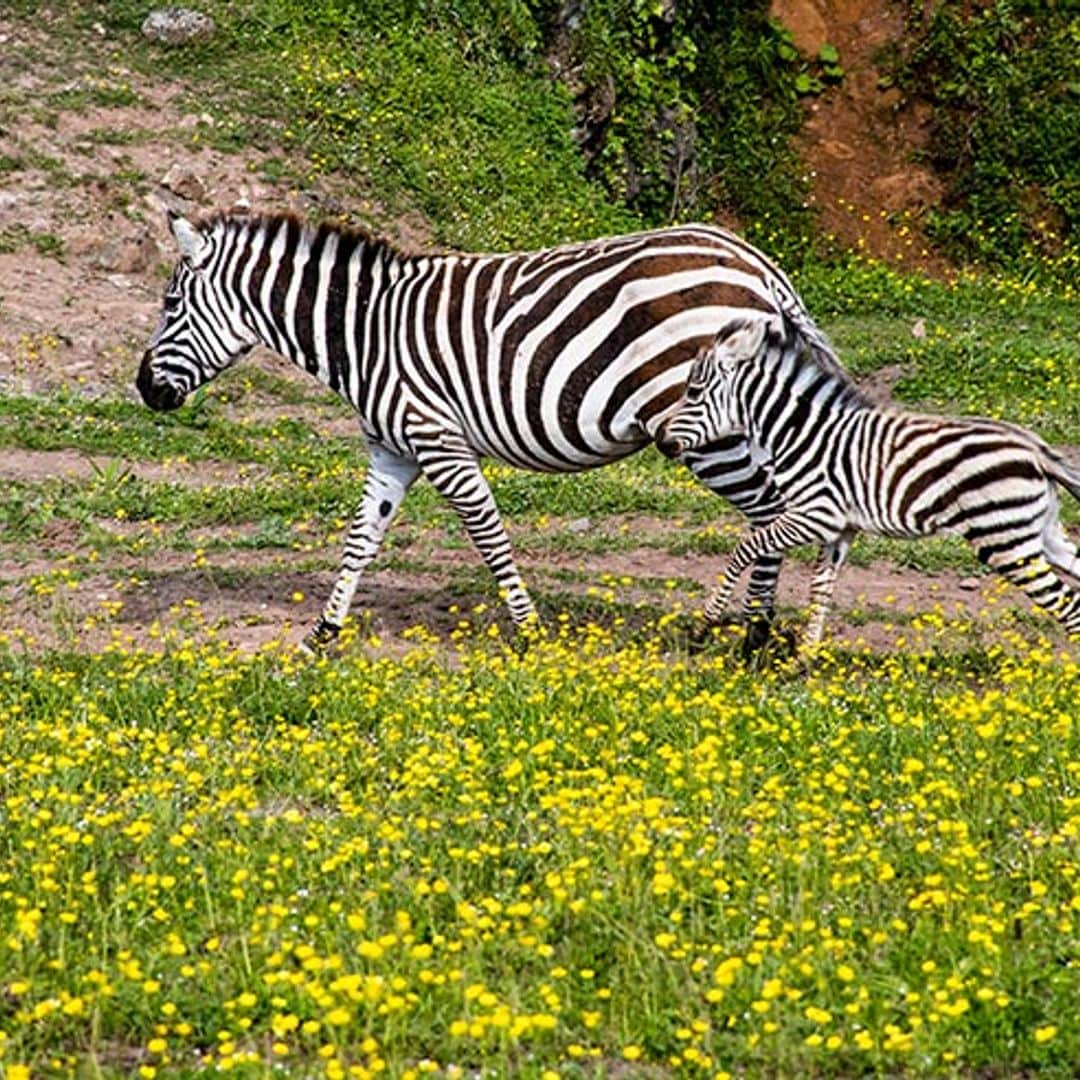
point(159, 396)
point(671, 448)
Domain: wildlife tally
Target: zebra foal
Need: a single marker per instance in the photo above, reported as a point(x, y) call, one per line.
point(557, 360)
point(840, 465)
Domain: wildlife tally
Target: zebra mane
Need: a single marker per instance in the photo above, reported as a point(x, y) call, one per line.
point(234, 220)
point(815, 350)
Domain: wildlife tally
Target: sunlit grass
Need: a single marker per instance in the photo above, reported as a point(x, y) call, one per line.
point(596, 851)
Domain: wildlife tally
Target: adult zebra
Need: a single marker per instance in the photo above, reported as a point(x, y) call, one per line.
point(557, 360)
point(840, 465)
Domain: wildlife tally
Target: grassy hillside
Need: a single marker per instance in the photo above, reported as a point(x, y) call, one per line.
point(527, 122)
point(466, 111)
point(437, 852)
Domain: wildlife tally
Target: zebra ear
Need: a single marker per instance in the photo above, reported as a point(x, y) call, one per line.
point(755, 337)
point(189, 240)
point(701, 365)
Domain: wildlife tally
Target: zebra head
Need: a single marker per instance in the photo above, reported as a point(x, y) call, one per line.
point(711, 407)
point(201, 330)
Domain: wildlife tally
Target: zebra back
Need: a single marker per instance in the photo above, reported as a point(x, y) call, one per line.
point(558, 359)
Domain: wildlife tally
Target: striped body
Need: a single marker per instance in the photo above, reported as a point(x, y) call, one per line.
point(840, 465)
point(556, 360)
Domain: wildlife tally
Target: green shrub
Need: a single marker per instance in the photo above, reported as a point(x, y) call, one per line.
point(1003, 77)
point(689, 107)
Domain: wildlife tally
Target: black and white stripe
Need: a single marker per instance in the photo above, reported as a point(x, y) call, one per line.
point(556, 360)
point(839, 465)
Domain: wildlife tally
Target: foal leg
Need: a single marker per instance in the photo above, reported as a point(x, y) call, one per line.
point(729, 469)
point(821, 588)
point(789, 530)
point(1061, 553)
point(1031, 568)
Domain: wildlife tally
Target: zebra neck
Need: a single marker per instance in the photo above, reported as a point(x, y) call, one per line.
point(796, 406)
point(310, 292)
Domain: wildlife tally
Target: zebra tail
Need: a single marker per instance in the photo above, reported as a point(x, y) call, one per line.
point(1062, 471)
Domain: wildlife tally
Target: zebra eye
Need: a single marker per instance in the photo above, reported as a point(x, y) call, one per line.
point(172, 302)
point(696, 385)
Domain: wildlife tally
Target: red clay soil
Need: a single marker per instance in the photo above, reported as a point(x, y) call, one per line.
point(861, 140)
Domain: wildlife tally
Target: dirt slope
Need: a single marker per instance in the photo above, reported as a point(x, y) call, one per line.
point(861, 141)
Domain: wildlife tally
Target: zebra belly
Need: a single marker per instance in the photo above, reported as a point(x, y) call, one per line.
point(573, 460)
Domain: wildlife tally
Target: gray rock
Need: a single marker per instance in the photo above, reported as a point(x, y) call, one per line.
point(177, 26)
point(128, 254)
point(183, 182)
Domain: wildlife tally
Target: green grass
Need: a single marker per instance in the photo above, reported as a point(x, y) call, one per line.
point(200, 431)
point(996, 347)
point(593, 856)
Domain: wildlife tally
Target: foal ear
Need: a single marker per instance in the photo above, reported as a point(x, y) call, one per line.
point(753, 338)
point(191, 242)
point(742, 338)
point(702, 365)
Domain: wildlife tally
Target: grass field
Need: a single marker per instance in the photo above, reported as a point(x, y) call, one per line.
point(438, 852)
point(597, 858)
point(435, 852)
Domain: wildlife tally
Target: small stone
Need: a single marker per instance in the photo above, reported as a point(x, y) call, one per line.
point(918, 329)
point(968, 584)
point(579, 525)
point(177, 26)
point(128, 254)
point(183, 182)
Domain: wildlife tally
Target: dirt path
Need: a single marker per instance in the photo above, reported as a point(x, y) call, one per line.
point(64, 594)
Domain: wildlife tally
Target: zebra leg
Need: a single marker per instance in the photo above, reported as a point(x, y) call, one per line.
point(789, 530)
point(746, 551)
point(821, 588)
point(759, 603)
point(453, 469)
point(389, 477)
point(727, 468)
point(1028, 566)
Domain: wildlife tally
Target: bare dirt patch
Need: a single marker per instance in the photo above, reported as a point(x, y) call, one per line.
point(250, 598)
point(84, 244)
point(861, 141)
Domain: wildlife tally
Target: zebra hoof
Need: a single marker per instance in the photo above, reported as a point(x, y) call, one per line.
point(758, 630)
point(320, 637)
point(528, 634)
point(703, 634)
point(782, 646)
